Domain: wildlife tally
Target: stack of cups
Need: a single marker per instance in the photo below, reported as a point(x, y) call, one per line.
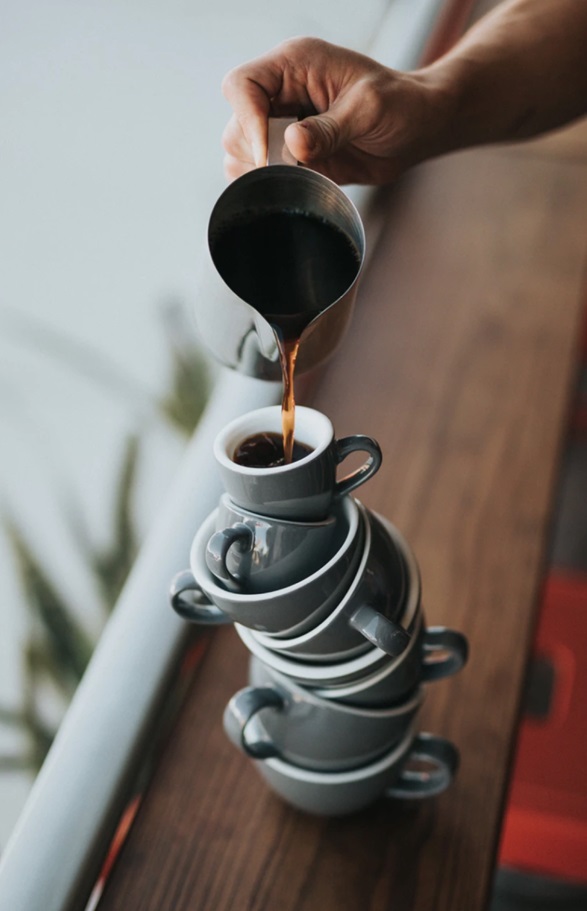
point(326, 596)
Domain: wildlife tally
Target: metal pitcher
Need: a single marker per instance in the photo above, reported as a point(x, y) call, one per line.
point(232, 328)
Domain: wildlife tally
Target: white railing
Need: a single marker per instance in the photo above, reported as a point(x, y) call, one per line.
point(71, 804)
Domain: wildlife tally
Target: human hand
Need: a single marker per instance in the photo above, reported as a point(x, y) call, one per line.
point(362, 122)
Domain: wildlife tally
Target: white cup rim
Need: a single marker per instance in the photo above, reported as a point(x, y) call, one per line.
point(227, 503)
point(355, 687)
point(199, 568)
point(280, 644)
point(319, 434)
point(322, 675)
point(413, 570)
point(413, 701)
point(283, 646)
point(348, 776)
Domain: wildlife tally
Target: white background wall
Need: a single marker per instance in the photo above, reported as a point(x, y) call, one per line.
point(110, 161)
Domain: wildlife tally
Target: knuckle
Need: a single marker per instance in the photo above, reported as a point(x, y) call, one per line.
point(299, 49)
point(330, 133)
point(372, 97)
point(231, 79)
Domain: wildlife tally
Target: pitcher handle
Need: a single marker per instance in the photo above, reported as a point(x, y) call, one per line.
point(277, 151)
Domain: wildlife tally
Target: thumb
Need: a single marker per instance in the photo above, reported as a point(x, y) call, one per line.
point(316, 137)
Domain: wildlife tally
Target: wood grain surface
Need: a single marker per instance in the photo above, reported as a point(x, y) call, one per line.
point(461, 361)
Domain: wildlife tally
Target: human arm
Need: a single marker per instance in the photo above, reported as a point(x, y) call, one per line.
point(519, 71)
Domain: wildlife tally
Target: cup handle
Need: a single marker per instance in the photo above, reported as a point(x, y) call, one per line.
point(441, 754)
point(219, 545)
point(357, 443)
point(243, 706)
point(455, 646)
point(196, 608)
point(390, 637)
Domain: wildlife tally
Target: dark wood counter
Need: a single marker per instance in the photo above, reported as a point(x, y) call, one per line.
point(461, 361)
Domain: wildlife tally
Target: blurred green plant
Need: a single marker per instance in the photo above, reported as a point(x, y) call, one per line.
point(58, 648)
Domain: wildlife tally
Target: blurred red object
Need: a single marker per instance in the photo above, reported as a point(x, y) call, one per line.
point(545, 829)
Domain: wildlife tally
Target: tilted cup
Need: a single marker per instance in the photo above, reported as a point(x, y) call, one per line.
point(276, 717)
point(369, 612)
point(304, 490)
point(343, 792)
point(435, 652)
point(295, 607)
point(251, 553)
point(373, 678)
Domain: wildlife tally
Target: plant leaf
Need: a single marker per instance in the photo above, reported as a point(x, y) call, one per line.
point(66, 640)
point(113, 564)
point(18, 763)
point(190, 384)
point(12, 717)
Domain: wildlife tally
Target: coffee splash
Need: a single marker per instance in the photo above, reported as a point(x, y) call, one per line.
point(290, 266)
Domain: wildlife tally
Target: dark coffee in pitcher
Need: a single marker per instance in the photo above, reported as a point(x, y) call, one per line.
point(289, 265)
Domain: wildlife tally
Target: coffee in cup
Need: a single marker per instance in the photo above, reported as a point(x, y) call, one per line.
point(267, 450)
point(304, 490)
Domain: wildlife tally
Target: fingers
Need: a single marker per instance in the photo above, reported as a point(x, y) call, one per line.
point(234, 168)
point(323, 136)
point(275, 83)
point(239, 156)
point(249, 90)
point(316, 137)
point(356, 110)
point(313, 138)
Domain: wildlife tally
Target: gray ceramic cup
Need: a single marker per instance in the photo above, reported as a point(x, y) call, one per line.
point(372, 678)
point(369, 612)
point(303, 490)
point(251, 553)
point(196, 595)
point(276, 717)
point(435, 652)
point(389, 776)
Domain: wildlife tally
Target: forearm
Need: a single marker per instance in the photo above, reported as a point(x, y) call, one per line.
point(520, 71)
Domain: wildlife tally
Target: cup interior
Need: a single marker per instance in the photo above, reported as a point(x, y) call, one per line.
point(229, 513)
point(337, 614)
point(350, 519)
point(313, 429)
point(381, 578)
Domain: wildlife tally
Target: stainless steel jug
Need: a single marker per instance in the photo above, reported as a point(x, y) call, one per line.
point(232, 328)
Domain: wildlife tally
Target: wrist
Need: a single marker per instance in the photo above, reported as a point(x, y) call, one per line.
point(438, 131)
